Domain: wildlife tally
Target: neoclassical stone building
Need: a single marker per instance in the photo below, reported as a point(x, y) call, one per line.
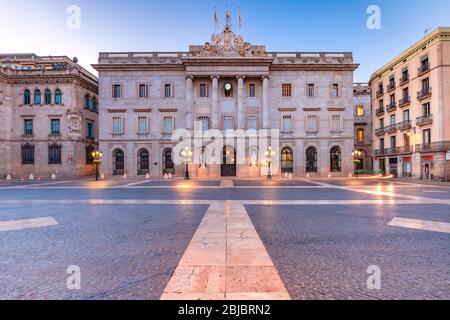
point(227, 84)
point(48, 117)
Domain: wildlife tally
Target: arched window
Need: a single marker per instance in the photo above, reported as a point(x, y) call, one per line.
point(48, 96)
point(143, 162)
point(27, 154)
point(54, 154)
point(27, 97)
point(168, 165)
point(37, 96)
point(58, 97)
point(335, 159)
point(311, 160)
point(89, 158)
point(118, 162)
point(287, 160)
point(86, 101)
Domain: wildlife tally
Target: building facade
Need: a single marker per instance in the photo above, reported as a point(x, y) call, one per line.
point(411, 110)
point(48, 117)
point(226, 84)
point(363, 127)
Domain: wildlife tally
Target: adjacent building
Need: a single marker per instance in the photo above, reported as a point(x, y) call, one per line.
point(226, 84)
point(411, 110)
point(363, 127)
point(48, 117)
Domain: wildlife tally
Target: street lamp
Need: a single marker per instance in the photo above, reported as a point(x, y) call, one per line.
point(356, 155)
point(187, 155)
point(269, 155)
point(97, 156)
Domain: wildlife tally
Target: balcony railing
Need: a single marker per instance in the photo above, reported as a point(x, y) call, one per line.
point(424, 94)
point(404, 79)
point(405, 101)
point(380, 92)
point(380, 152)
point(424, 120)
point(405, 125)
point(391, 86)
point(391, 128)
point(391, 106)
point(423, 69)
point(405, 150)
point(379, 132)
point(441, 146)
point(379, 111)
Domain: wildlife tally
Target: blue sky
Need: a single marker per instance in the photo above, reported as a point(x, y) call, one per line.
point(39, 26)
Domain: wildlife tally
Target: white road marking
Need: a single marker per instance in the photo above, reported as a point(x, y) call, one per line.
point(35, 185)
point(421, 225)
point(433, 191)
point(27, 224)
point(226, 260)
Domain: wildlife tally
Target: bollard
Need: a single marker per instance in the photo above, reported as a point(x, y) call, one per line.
point(31, 177)
point(53, 177)
point(8, 177)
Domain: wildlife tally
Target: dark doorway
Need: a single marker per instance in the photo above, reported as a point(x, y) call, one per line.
point(143, 162)
point(119, 162)
point(168, 165)
point(228, 168)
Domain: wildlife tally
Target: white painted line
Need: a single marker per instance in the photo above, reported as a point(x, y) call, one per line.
point(433, 191)
point(421, 225)
point(132, 184)
point(36, 185)
point(27, 224)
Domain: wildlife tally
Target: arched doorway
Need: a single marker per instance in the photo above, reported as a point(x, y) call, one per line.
point(143, 164)
point(168, 165)
point(335, 159)
point(118, 162)
point(311, 160)
point(228, 168)
point(287, 160)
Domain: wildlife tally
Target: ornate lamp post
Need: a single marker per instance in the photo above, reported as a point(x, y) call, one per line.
point(97, 156)
point(356, 155)
point(187, 156)
point(269, 155)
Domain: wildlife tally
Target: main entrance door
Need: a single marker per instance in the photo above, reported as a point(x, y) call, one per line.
point(229, 162)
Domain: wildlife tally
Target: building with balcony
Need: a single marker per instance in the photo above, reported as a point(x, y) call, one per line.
point(363, 125)
point(48, 117)
point(227, 84)
point(412, 131)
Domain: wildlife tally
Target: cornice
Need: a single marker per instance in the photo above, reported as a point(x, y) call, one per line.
point(314, 67)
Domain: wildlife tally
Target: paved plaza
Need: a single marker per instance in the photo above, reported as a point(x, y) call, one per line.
point(225, 239)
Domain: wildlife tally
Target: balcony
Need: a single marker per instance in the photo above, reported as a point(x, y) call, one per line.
point(380, 152)
point(424, 94)
point(424, 120)
point(380, 93)
point(379, 132)
point(391, 129)
point(441, 146)
point(404, 79)
point(405, 150)
point(391, 106)
point(391, 86)
point(425, 68)
point(379, 111)
point(405, 101)
point(405, 125)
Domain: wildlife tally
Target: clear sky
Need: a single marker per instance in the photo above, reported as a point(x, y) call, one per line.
point(40, 26)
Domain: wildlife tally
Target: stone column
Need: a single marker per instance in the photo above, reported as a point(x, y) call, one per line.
point(215, 102)
point(265, 102)
point(240, 103)
point(189, 103)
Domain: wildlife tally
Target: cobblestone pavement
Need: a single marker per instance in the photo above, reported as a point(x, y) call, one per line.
point(321, 235)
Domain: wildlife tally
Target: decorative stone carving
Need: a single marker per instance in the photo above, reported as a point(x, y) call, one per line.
point(74, 125)
point(227, 43)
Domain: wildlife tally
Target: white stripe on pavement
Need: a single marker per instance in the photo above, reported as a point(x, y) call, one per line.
point(15, 225)
point(421, 225)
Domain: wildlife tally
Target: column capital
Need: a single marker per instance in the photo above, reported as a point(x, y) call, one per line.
point(189, 77)
point(240, 77)
point(265, 77)
point(215, 77)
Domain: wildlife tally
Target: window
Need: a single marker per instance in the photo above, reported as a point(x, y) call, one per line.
point(27, 97)
point(286, 89)
point(58, 97)
point(381, 123)
point(89, 150)
point(94, 105)
point(391, 82)
point(252, 123)
point(405, 75)
point(287, 161)
point(426, 110)
point(381, 104)
point(252, 90)
point(425, 64)
point(27, 154)
point(143, 88)
point(360, 111)
point(426, 136)
point(55, 127)
point(335, 159)
point(336, 123)
point(118, 162)
point(382, 144)
point(86, 102)
point(28, 127)
point(168, 126)
point(117, 91)
point(426, 85)
point(203, 90)
point(37, 96)
point(360, 135)
point(228, 123)
point(335, 90)
point(287, 124)
point(143, 125)
point(311, 160)
point(312, 123)
point(54, 154)
point(228, 89)
point(406, 115)
point(204, 123)
point(393, 142)
point(406, 140)
point(143, 162)
point(393, 119)
point(311, 90)
point(405, 94)
point(117, 125)
point(392, 97)
point(380, 88)
point(89, 130)
point(168, 90)
point(47, 96)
